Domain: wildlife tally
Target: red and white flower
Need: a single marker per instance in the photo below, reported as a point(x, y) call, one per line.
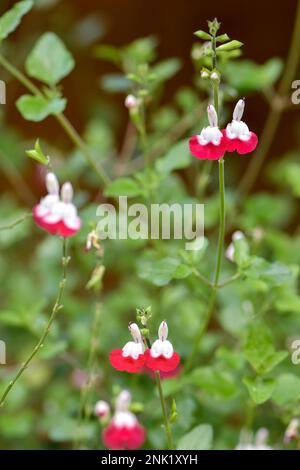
point(161, 356)
point(210, 144)
point(131, 358)
point(124, 431)
point(56, 213)
point(237, 135)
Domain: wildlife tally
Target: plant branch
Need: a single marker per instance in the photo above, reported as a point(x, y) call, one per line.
point(57, 306)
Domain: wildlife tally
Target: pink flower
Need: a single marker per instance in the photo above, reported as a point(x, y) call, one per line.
point(161, 356)
point(131, 358)
point(124, 431)
point(237, 135)
point(57, 215)
point(210, 144)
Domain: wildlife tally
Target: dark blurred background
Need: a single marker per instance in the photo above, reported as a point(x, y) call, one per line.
point(264, 27)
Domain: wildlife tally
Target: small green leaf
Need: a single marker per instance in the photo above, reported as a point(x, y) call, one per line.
point(260, 390)
point(241, 251)
point(200, 438)
point(287, 389)
point(49, 60)
point(123, 187)
point(165, 69)
point(203, 35)
point(161, 272)
point(38, 154)
point(217, 383)
point(230, 46)
point(177, 157)
point(12, 18)
point(37, 108)
point(246, 76)
point(259, 349)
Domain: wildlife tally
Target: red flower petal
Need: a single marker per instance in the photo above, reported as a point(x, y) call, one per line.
point(50, 228)
point(123, 438)
point(65, 231)
point(208, 151)
point(240, 146)
point(127, 364)
point(161, 363)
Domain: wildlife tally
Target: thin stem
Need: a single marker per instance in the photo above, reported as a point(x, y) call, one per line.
point(167, 426)
point(16, 222)
point(222, 222)
point(84, 412)
point(203, 278)
point(57, 306)
point(275, 112)
point(61, 118)
point(230, 280)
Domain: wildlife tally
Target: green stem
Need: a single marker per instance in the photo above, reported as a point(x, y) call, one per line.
point(167, 426)
point(61, 118)
point(222, 222)
point(253, 170)
point(16, 222)
point(57, 306)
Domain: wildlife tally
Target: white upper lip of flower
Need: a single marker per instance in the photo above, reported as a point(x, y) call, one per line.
point(134, 348)
point(212, 133)
point(238, 129)
point(162, 347)
point(54, 208)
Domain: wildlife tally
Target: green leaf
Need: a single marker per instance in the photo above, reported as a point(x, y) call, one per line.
point(222, 38)
point(50, 60)
point(203, 35)
point(272, 274)
point(37, 108)
point(217, 383)
point(247, 76)
point(115, 83)
point(12, 18)
point(166, 69)
point(161, 272)
point(178, 157)
point(259, 349)
point(108, 52)
point(38, 154)
point(287, 389)
point(200, 438)
point(124, 186)
point(260, 390)
point(230, 46)
point(241, 251)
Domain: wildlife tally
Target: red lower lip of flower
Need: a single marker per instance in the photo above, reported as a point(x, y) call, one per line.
point(208, 151)
point(161, 363)
point(57, 228)
point(123, 438)
point(127, 364)
point(239, 146)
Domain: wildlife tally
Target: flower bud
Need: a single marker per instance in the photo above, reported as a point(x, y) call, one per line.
point(67, 192)
point(238, 235)
point(131, 102)
point(212, 116)
point(204, 74)
point(214, 76)
point(52, 184)
point(239, 110)
point(102, 409)
point(291, 432)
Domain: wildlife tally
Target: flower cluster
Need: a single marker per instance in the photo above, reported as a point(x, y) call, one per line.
point(133, 357)
point(212, 143)
point(123, 431)
point(56, 213)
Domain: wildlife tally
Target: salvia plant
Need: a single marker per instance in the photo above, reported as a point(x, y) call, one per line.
point(140, 342)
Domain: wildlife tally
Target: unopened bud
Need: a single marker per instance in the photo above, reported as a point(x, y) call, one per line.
point(238, 235)
point(131, 102)
point(52, 184)
point(67, 192)
point(291, 432)
point(204, 74)
point(102, 409)
point(214, 76)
